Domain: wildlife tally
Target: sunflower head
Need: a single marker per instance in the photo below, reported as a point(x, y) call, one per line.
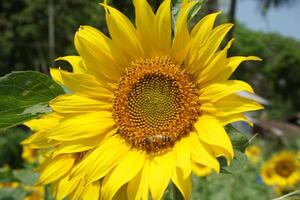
point(34, 192)
point(29, 154)
point(156, 103)
point(9, 184)
point(253, 152)
point(148, 105)
point(282, 170)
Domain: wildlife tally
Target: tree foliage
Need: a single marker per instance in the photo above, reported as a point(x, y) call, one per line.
point(24, 30)
point(277, 77)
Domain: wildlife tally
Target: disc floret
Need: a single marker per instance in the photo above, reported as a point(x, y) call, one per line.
point(156, 103)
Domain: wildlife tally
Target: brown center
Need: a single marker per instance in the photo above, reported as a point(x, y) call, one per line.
point(156, 103)
point(285, 168)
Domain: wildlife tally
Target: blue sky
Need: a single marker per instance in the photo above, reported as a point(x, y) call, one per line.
point(284, 20)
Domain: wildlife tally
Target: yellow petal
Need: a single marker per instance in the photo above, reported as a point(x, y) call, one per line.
point(76, 63)
point(207, 51)
point(92, 191)
point(184, 2)
point(202, 30)
point(86, 85)
point(163, 28)
point(53, 169)
point(123, 33)
point(46, 122)
point(121, 194)
point(161, 168)
point(128, 168)
point(41, 126)
point(212, 132)
point(201, 154)
point(234, 118)
point(200, 33)
point(207, 75)
point(215, 40)
point(82, 144)
point(76, 194)
point(233, 63)
point(145, 21)
point(56, 75)
point(229, 105)
point(201, 170)
point(181, 40)
point(110, 50)
point(183, 156)
point(95, 49)
point(184, 184)
point(138, 187)
point(64, 187)
point(217, 91)
point(83, 126)
point(72, 103)
point(98, 162)
point(40, 140)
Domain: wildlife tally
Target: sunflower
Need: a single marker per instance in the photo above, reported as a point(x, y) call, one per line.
point(28, 154)
point(9, 184)
point(281, 171)
point(146, 108)
point(267, 174)
point(33, 192)
point(253, 152)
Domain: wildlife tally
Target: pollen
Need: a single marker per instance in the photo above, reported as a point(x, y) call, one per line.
point(156, 103)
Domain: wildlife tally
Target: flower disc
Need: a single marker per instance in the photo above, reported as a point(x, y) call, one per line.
point(282, 170)
point(156, 103)
point(285, 168)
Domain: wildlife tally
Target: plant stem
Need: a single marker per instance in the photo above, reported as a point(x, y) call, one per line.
point(297, 192)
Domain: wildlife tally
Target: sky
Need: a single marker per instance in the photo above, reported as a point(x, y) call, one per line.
point(284, 20)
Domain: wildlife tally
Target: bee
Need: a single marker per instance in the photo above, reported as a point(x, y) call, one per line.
point(154, 142)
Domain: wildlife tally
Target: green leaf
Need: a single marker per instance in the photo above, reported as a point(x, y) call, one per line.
point(238, 139)
point(10, 146)
point(26, 176)
point(237, 164)
point(12, 193)
point(175, 11)
point(195, 10)
point(176, 6)
point(6, 175)
point(24, 96)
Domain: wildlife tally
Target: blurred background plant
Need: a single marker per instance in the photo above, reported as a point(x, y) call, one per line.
point(35, 32)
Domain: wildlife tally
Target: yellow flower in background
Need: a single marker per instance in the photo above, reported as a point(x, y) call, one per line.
point(145, 108)
point(31, 154)
point(282, 170)
point(9, 184)
point(253, 152)
point(28, 154)
point(267, 174)
point(35, 193)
